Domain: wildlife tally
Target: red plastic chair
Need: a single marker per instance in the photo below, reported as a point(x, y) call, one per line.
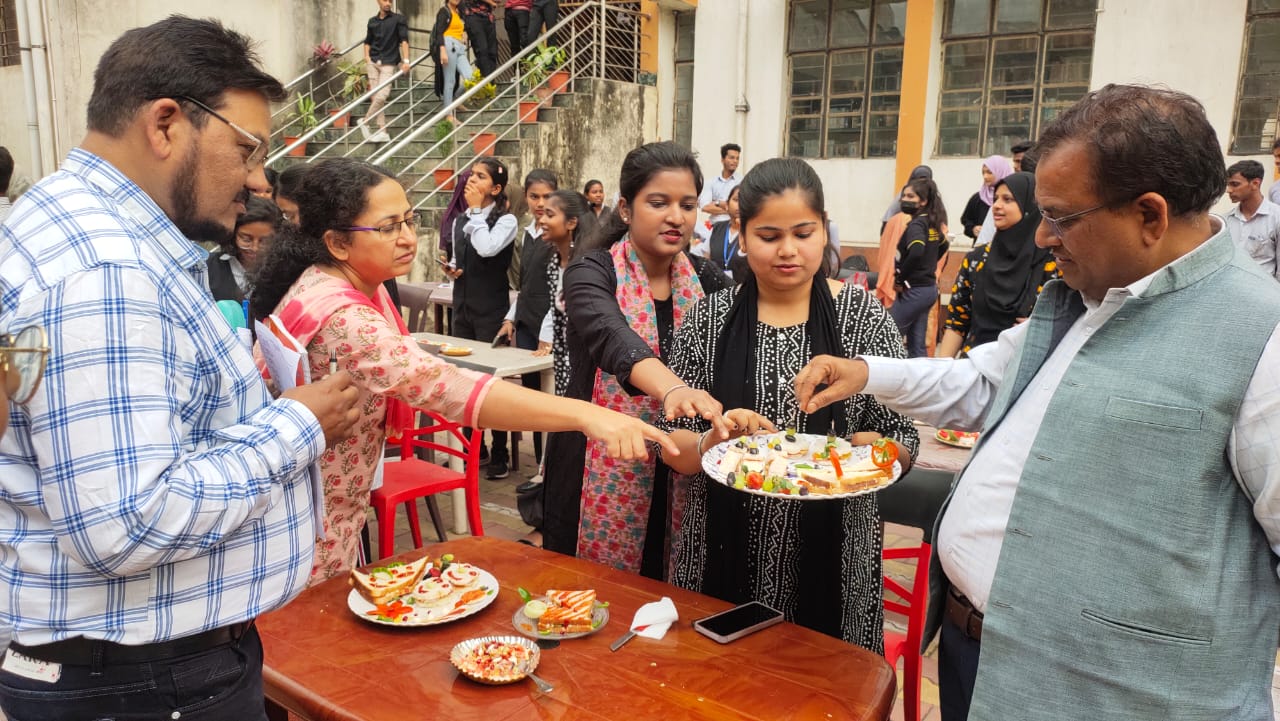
point(907, 647)
point(411, 478)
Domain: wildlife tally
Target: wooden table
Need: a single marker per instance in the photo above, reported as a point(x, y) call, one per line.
point(939, 456)
point(323, 663)
point(503, 362)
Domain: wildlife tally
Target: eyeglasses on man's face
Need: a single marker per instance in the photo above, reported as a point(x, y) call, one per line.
point(391, 230)
point(256, 146)
point(1060, 226)
point(22, 355)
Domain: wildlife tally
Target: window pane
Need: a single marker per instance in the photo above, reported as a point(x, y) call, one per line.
point(891, 21)
point(1012, 96)
point(804, 137)
point(1262, 6)
point(1014, 61)
point(964, 65)
point(1063, 95)
point(882, 135)
point(1256, 116)
point(1005, 127)
point(850, 23)
point(684, 82)
point(810, 106)
point(886, 71)
point(1255, 127)
point(684, 36)
point(1017, 16)
point(848, 72)
point(968, 17)
point(844, 136)
point(808, 25)
point(969, 99)
point(958, 132)
point(1264, 48)
point(1065, 14)
point(807, 74)
point(845, 104)
point(1068, 58)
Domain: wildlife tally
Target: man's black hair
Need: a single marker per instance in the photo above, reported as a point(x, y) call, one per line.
point(724, 149)
point(1248, 169)
point(1022, 147)
point(6, 170)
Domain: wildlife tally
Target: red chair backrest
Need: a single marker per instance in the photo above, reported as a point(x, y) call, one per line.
point(914, 599)
point(423, 437)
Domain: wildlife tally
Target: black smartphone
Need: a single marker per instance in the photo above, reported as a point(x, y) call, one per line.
point(737, 622)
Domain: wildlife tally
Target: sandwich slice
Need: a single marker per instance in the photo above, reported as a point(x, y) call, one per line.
point(381, 584)
point(568, 612)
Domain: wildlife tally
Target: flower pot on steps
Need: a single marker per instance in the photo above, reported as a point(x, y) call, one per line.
point(297, 152)
point(559, 81)
point(484, 143)
point(340, 121)
point(443, 178)
point(529, 111)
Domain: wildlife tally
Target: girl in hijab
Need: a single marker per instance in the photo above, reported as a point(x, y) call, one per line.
point(994, 169)
point(998, 282)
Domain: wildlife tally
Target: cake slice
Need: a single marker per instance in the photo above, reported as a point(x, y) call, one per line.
point(568, 612)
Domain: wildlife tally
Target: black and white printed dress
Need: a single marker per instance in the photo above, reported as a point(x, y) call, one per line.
point(817, 561)
point(559, 325)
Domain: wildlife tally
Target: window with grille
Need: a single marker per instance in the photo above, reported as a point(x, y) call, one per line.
point(1008, 68)
point(9, 33)
point(682, 130)
point(1258, 100)
point(844, 62)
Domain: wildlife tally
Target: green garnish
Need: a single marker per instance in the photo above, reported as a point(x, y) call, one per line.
point(524, 595)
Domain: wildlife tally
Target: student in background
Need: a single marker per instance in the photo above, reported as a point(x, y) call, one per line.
point(231, 270)
point(1254, 223)
point(922, 244)
point(594, 190)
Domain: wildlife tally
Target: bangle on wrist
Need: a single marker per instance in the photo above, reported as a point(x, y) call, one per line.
point(669, 391)
point(702, 439)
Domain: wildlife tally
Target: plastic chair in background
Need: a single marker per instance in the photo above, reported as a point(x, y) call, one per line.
point(411, 478)
point(913, 501)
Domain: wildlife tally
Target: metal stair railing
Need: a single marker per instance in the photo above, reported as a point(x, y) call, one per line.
point(599, 39)
point(288, 128)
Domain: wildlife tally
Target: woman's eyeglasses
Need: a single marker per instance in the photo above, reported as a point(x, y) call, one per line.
point(391, 230)
point(23, 354)
point(249, 242)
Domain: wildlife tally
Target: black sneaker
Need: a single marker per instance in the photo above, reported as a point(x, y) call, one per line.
point(497, 470)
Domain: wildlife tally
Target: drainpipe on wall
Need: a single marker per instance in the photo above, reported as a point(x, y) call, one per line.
point(40, 74)
point(743, 107)
point(29, 91)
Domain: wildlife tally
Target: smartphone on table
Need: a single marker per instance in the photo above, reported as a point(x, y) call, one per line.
point(738, 621)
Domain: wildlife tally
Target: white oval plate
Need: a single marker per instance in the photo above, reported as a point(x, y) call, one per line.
point(711, 466)
point(445, 606)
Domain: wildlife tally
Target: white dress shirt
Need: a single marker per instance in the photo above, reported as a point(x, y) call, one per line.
point(951, 393)
point(487, 241)
point(1257, 236)
point(717, 191)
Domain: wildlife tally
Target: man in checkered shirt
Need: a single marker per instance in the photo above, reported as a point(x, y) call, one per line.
point(153, 495)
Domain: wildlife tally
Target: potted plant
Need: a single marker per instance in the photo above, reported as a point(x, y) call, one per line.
point(487, 91)
point(541, 70)
point(529, 111)
point(484, 143)
point(354, 84)
point(304, 116)
point(444, 176)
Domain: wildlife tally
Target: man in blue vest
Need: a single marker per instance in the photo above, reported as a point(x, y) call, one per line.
point(1108, 551)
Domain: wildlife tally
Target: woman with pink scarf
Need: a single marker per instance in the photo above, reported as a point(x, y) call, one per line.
point(994, 169)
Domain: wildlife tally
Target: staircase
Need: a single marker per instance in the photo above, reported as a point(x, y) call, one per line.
point(595, 39)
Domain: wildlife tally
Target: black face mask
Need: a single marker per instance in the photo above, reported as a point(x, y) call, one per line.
point(909, 207)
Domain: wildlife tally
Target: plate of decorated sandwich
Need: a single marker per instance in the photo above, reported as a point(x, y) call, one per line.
point(802, 466)
point(425, 592)
point(560, 614)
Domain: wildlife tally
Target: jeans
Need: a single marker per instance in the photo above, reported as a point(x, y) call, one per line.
point(483, 34)
point(377, 75)
point(544, 11)
point(517, 24)
point(224, 682)
point(458, 63)
point(911, 312)
point(957, 671)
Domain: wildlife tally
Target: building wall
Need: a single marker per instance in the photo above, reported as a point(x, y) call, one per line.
point(1136, 41)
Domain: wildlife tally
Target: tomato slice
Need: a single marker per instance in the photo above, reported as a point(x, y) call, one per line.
point(835, 464)
point(883, 453)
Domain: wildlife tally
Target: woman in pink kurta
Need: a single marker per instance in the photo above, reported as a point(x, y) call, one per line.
point(323, 281)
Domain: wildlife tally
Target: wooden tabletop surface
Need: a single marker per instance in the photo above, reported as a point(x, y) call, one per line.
point(324, 663)
point(501, 361)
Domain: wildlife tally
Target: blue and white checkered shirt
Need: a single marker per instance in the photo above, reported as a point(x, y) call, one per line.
point(151, 489)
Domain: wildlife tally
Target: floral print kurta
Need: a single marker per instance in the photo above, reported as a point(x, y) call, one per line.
point(382, 363)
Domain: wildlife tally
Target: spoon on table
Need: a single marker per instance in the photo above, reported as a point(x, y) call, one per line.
point(542, 685)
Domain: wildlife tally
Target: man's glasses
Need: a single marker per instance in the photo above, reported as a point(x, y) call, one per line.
point(259, 152)
point(391, 230)
point(23, 355)
point(1060, 226)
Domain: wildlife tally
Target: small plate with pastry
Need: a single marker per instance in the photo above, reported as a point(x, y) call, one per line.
point(455, 351)
point(424, 592)
point(802, 466)
point(560, 614)
point(959, 439)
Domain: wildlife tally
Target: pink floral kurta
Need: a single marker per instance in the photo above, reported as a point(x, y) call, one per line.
point(382, 362)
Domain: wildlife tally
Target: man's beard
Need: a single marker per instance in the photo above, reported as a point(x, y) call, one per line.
point(185, 215)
